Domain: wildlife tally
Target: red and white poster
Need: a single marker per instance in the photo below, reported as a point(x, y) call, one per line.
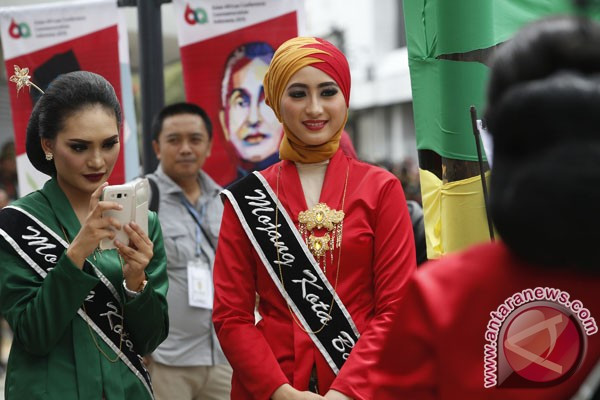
point(52, 39)
point(226, 47)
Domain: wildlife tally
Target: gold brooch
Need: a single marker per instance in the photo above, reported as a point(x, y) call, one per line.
point(318, 245)
point(321, 217)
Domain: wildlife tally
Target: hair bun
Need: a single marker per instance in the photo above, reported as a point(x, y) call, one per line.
point(543, 114)
point(533, 115)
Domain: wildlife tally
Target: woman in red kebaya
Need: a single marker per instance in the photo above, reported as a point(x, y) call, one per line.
point(329, 265)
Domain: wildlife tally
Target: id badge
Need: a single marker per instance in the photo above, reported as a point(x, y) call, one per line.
point(200, 285)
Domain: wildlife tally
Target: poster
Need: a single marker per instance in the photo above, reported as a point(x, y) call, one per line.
point(56, 38)
point(226, 47)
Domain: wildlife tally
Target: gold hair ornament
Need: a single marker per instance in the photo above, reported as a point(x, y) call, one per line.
point(21, 78)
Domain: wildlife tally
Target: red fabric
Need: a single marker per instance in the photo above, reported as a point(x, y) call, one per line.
point(335, 65)
point(436, 347)
point(377, 260)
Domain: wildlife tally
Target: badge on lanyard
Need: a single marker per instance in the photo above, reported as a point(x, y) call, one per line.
point(200, 284)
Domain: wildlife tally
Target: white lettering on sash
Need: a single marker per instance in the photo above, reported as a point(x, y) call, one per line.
point(110, 314)
point(261, 205)
point(319, 308)
point(90, 296)
point(259, 202)
point(342, 342)
point(113, 312)
point(129, 345)
point(41, 243)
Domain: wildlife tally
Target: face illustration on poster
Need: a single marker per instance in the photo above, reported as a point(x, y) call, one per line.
point(248, 123)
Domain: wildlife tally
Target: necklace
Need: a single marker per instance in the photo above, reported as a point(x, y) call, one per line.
point(112, 360)
point(338, 235)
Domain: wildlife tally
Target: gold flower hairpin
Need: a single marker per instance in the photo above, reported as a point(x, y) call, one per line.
point(21, 78)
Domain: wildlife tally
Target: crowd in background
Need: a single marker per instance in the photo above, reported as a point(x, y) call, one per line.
point(407, 171)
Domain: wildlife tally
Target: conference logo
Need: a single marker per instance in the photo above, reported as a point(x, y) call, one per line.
point(195, 16)
point(536, 338)
point(17, 31)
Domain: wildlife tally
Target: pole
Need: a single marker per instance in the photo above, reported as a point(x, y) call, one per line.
point(481, 171)
point(152, 87)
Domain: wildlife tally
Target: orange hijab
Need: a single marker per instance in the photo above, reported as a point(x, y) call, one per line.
point(289, 58)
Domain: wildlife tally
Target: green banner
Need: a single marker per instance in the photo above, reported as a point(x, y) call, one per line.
point(448, 41)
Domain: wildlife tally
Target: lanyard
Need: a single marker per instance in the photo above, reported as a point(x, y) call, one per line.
point(199, 228)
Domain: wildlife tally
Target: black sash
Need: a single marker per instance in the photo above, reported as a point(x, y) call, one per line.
point(40, 248)
point(305, 288)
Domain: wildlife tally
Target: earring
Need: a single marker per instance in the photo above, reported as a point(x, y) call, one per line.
point(49, 156)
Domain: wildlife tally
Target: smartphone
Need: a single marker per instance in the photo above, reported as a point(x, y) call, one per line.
point(133, 196)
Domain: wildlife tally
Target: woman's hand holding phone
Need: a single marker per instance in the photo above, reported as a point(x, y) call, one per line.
point(132, 242)
point(94, 229)
point(136, 255)
point(107, 220)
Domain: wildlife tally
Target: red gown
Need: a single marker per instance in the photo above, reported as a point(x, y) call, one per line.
point(436, 347)
point(377, 259)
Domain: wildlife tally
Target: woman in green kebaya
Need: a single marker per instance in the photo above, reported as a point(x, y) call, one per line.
point(81, 317)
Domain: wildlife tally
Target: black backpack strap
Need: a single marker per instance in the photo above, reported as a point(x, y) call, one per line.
point(154, 194)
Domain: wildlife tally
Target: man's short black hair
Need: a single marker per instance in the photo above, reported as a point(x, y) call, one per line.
point(177, 109)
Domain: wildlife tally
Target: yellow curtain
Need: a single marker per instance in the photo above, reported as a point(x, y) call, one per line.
point(454, 214)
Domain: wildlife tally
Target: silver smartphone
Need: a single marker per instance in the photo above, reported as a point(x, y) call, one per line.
point(133, 196)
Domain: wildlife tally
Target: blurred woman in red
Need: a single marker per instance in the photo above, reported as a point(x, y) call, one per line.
point(516, 319)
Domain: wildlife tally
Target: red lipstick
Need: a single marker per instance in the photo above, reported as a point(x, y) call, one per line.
point(93, 177)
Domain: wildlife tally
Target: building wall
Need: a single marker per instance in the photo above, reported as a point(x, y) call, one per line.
point(381, 120)
point(384, 134)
